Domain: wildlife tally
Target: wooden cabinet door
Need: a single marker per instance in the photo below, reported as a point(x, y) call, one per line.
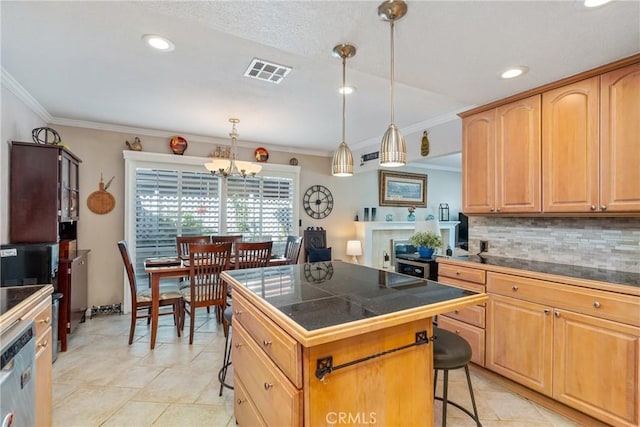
point(478, 163)
point(79, 292)
point(519, 344)
point(570, 147)
point(620, 140)
point(518, 156)
point(596, 367)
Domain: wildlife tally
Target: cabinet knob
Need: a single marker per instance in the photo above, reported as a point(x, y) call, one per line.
point(238, 344)
point(514, 288)
point(240, 401)
point(593, 207)
point(458, 331)
point(456, 311)
point(458, 273)
point(237, 312)
point(46, 320)
point(603, 207)
point(497, 209)
point(268, 386)
point(266, 343)
point(596, 304)
point(547, 311)
point(44, 344)
point(491, 210)
point(556, 313)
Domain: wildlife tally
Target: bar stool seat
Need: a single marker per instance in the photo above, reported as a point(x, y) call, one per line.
point(451, 351)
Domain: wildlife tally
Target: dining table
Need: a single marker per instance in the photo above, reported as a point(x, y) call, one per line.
point(174, 267)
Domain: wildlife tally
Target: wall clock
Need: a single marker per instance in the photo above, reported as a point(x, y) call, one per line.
point(318, 201)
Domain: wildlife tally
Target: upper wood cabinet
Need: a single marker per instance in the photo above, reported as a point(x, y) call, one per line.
point(501, 159)
point(620, 140)
point(591, 144)
point(43, 193)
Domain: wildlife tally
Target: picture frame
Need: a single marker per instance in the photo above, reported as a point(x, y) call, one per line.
point(402, 189)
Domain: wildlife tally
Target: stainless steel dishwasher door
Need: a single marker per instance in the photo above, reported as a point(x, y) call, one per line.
point(17, 375)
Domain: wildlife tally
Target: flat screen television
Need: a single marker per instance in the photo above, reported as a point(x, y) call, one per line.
point(463, 230)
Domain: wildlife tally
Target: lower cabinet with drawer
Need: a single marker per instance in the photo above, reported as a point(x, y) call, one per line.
point(468, 322)
point(579, 346)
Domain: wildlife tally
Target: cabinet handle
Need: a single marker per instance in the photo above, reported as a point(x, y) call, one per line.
point(46, 320)
point(266, 343)
point(547, 311)
point(240, 401)
point(456, 311)
point(458, 331)
point(497, 209)
point(458, 273)
point(556, 313)
point(237, 312)
point(268, 386)
point(238, 344)
point(603, 207)
point(44, 344)
point(596, 304)
point(593, 207)
point(491, 210)
point(514, 288)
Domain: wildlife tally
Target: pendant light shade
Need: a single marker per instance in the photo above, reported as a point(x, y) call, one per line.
point(342, 164)
point(393, 151)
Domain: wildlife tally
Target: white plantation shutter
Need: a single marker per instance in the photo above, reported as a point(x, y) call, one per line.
point(168, 195)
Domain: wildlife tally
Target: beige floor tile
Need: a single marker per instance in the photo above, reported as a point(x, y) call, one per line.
point(171, 355)
point(512, 407)
point(97, 370)
point(90, 405)
point(136, 377)
point(193, 416)
point(174, 385)
point(138, 414)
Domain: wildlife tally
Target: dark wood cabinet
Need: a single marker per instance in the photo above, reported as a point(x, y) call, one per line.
point(72, 283)
point(44, 193)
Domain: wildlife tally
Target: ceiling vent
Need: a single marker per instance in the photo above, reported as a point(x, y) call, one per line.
point(267, 71)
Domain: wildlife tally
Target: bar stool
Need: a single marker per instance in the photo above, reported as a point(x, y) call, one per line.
point(226, 362)
point(451, 351)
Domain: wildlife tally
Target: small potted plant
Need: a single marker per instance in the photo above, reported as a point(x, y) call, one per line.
point(427, 242)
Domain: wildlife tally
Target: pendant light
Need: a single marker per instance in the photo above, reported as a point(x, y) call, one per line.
point(342, 164)
point(393, 151)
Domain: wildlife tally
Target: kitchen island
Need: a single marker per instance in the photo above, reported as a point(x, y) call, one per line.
point(335, 343)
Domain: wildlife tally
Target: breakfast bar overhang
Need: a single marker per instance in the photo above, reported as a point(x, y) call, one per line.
point(335, 343)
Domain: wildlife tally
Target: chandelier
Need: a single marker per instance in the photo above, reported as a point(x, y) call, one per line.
point(232, 166)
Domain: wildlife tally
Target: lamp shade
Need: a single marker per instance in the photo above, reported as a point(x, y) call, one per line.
point(354, 248)
point(342, 164)
point(393, 151)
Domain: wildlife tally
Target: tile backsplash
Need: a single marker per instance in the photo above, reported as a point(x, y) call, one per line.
point(610, 243)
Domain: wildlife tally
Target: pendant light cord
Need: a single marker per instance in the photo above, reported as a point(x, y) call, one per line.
point(344, 96)
point(393, 100)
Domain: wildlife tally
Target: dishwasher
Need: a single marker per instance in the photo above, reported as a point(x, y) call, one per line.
point(17, 374)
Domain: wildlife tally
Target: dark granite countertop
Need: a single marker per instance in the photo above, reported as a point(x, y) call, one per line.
point(327, 294)
point(12, 296)
point(586, 273)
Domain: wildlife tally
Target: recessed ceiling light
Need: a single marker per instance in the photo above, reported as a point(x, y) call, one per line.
point(347, 90)
point(514, 72)
point(595, 3)
point(158, 42)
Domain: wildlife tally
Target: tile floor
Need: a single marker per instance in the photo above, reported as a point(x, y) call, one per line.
point(102, 381)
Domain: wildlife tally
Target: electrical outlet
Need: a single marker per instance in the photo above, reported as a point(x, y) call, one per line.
point(484, 246)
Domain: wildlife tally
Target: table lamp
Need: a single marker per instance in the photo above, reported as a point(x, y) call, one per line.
point(354, 248)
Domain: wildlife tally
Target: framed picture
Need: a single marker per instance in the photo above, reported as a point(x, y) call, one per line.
point(402, 189)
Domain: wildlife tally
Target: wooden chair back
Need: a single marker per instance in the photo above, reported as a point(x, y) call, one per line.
point(314, 238)
point(131, 274)
point(252, 254)
point(292, 249)
point(183, 242)
point(206, 262)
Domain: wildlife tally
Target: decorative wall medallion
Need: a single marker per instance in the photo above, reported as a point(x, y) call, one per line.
point(178, 145)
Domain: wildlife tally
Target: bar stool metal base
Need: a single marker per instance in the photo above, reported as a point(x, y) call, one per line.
point(445, 401)
point(222, 373)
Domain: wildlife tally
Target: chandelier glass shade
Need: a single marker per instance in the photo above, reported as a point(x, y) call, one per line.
point(342, 164)
point(231, 166)
point(393, 150)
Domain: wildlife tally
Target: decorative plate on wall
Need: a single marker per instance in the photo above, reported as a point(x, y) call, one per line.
point(261, 153)
point(178, 145)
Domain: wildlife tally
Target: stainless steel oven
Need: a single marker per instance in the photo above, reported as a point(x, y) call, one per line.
point(17, 375)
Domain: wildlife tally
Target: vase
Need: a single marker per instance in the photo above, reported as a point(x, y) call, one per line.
point(411, 217)
point(425, 252)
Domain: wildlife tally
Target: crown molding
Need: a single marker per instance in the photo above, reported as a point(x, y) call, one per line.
point(23, 95)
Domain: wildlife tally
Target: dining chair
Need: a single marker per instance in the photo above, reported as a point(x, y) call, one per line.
point(233, 238)
point(252, 254)
point(183, 242)
point(206, 262)
point(141, 300)
point(292, 249)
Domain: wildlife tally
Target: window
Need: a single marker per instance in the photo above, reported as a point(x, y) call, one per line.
point(168, 195)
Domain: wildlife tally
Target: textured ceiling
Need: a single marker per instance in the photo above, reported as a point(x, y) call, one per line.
point(84, 62)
